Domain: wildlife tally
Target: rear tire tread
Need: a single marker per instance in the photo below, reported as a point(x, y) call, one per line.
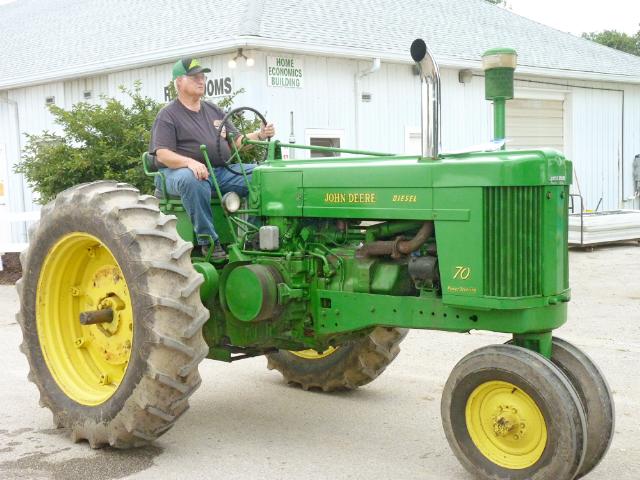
point(133, 425)
point(367, 359)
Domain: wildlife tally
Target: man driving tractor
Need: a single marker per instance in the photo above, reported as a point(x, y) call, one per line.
point(178, 131)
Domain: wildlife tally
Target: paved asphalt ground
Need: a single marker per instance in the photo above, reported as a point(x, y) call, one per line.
point(245, 423)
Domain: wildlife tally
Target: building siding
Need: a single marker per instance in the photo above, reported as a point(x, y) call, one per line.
point(594, 128)
point(631, 143)
point(597, 146)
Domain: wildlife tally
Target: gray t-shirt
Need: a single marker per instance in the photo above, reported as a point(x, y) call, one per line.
point(183, 131)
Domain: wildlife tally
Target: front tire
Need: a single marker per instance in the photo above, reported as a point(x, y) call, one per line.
point(510, 414)
point(596, 397)
point(124, 382)
point(345, 367)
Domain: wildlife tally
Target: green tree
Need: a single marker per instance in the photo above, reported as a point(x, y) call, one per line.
point(502, 3)
point(618, 40)
point(102, 141)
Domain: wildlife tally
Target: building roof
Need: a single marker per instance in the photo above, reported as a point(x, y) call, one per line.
point(46, 40)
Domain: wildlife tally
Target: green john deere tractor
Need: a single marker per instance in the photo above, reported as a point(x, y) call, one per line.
point(330, 261)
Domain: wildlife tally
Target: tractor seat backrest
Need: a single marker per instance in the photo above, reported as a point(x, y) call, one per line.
point(151, 169)
point(149, 162)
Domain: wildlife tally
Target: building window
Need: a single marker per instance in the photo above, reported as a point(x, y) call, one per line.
point(321, 137)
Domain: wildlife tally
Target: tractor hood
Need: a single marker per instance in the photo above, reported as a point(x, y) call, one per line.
point(397, 187)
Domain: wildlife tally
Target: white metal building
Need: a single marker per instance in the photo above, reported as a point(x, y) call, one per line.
point(347, 79)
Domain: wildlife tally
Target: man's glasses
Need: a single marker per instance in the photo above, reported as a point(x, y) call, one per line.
point(199, 77)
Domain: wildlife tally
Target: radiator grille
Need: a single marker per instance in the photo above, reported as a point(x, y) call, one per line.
point(512, 241)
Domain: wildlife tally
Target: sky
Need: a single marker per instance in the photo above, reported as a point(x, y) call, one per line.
point(577, 16)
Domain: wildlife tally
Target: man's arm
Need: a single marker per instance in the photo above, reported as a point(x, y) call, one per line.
point(163, 143)
point(175, 160)
point(266, 131)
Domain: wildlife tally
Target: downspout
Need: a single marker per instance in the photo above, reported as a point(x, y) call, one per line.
point(375, 66)
point(21, 200)
point(292, 138)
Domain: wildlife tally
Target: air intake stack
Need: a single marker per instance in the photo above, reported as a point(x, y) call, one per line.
point(499, 65)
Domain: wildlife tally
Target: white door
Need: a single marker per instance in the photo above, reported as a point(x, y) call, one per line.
point(535, 123)
point(596, 125)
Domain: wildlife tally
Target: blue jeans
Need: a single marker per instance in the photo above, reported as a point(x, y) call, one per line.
point(196, 194)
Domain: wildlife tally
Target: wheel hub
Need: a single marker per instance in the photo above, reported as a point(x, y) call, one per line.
point(116, 305)
point(506, 421)
point(110, 340)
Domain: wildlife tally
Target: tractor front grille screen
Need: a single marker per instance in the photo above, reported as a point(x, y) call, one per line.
point(512, 241)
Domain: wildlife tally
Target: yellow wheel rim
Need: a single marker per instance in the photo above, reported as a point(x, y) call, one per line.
point(506, 425)
point(88, 362)
point(311, 354)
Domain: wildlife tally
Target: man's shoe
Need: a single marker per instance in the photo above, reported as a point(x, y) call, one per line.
point(217, 253)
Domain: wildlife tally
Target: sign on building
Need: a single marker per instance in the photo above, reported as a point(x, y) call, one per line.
point(215, 87)
point(284, 72)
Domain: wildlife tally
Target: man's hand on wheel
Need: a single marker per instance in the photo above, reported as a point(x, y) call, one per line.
point(266, 131)
point(199, 170)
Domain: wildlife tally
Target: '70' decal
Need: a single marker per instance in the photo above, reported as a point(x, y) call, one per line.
point(462, 272)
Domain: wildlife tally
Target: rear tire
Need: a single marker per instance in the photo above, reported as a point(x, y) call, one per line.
point(347, 367)
point(158, 367)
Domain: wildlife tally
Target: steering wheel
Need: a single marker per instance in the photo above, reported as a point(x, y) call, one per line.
point(225, 122)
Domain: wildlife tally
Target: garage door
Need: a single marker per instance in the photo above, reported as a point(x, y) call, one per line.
point(535, 124)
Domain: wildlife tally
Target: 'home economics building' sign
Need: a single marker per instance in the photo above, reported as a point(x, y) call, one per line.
point(284, 72)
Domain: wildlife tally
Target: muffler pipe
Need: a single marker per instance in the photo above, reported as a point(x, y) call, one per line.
point(399, 247)
point(405, 247)
point(430, 98)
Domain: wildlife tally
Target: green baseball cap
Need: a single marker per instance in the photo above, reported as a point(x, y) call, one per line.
point(188, 66)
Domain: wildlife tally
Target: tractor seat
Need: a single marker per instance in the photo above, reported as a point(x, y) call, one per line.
point(159, 195)
point(151, 169)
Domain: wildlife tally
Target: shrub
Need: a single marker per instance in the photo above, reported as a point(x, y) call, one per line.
point(101, 141)
point(97, 142)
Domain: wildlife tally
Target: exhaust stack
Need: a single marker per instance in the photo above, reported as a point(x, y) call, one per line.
point(430, 98)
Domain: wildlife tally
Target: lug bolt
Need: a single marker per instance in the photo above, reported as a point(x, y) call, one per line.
point(79, 342)
point(516, 437)
point(75, 291)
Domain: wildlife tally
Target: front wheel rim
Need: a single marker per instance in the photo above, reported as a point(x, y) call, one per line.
point(506, 425)
point(88, 362)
